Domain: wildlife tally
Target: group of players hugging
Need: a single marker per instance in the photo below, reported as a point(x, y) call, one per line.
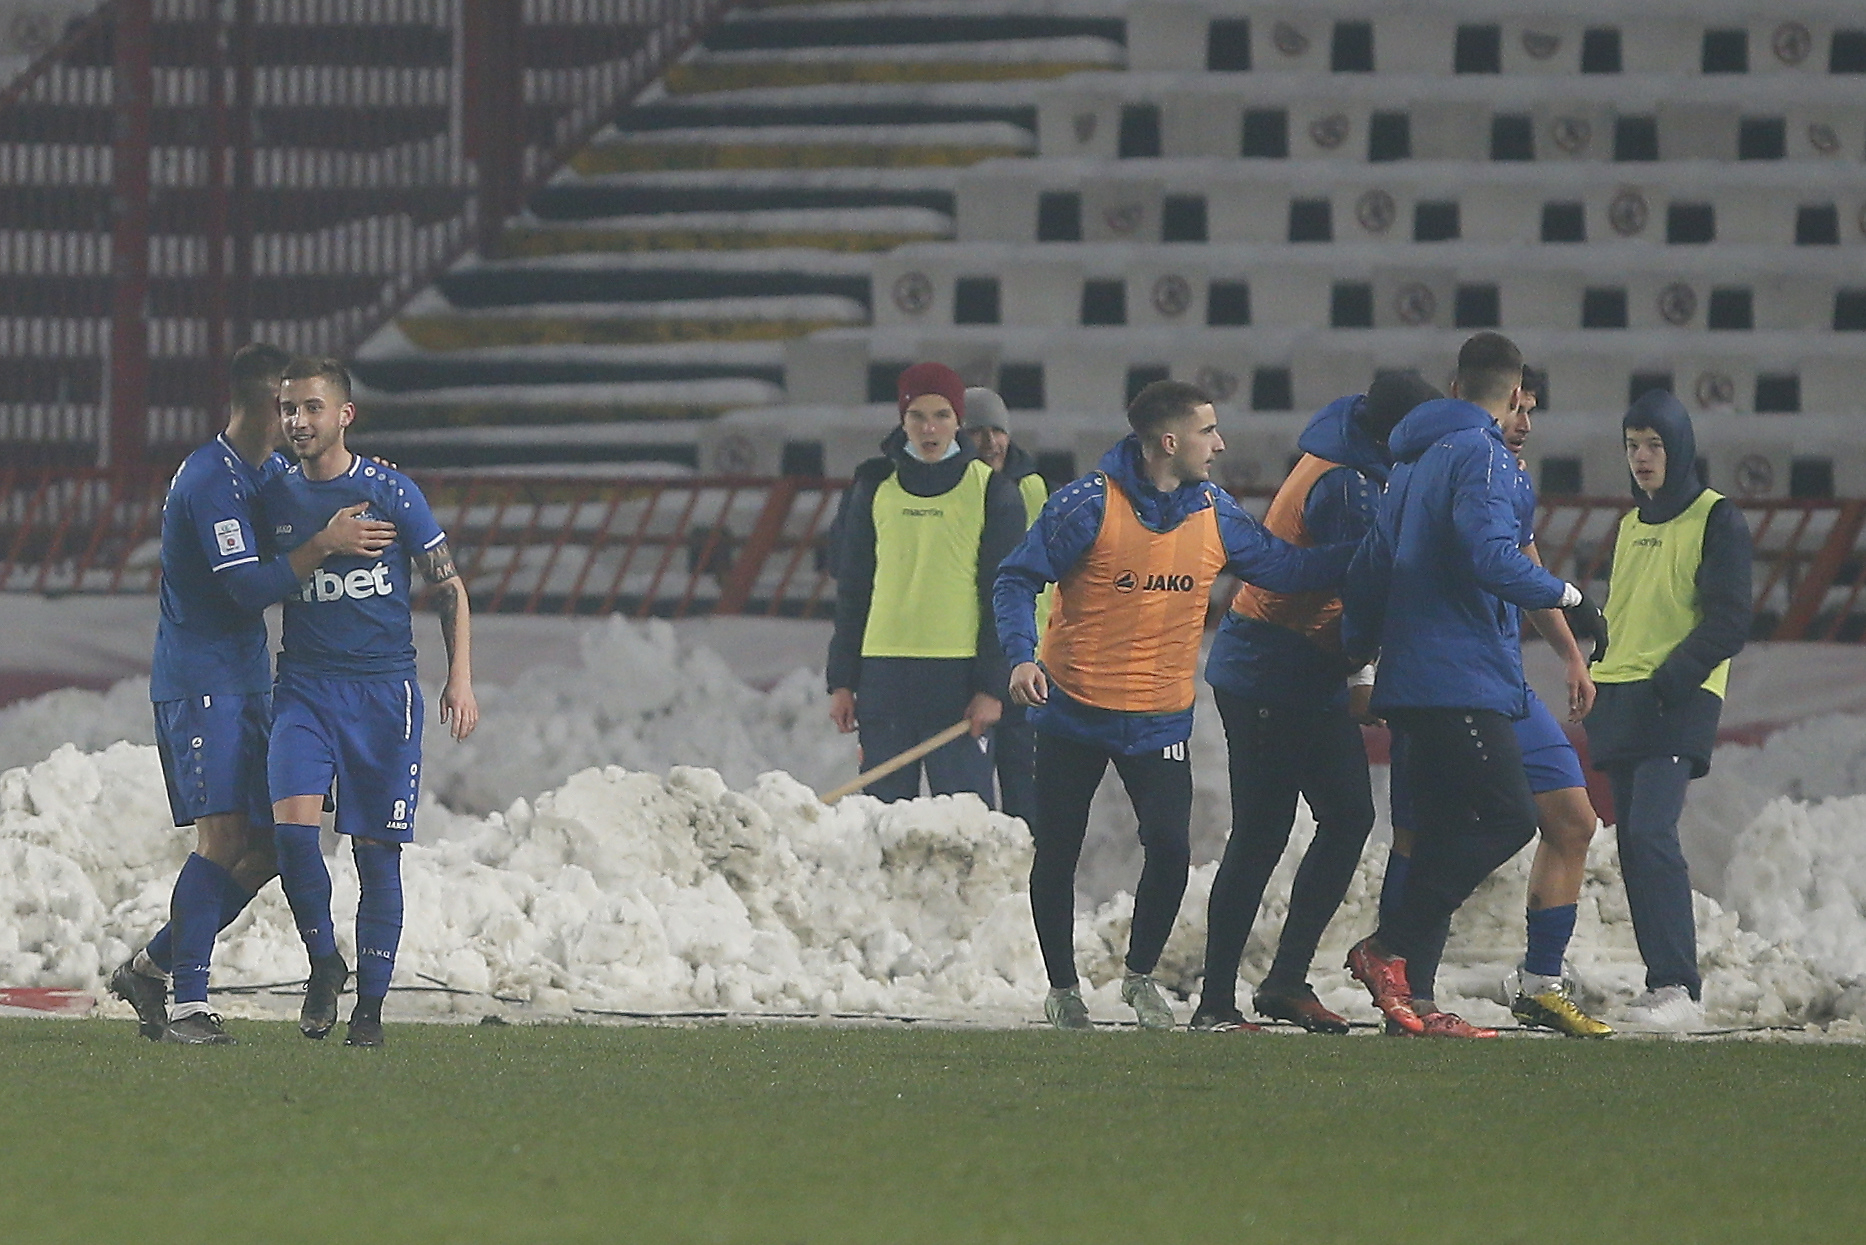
point(1388, 582)
point(251, 759)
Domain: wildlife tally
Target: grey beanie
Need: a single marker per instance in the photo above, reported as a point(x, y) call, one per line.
point(985, 409)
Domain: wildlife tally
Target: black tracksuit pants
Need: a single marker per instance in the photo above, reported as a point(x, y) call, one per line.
point(1474, 811)
point(1278, 752)
point(1160, 785)
point(904, 700)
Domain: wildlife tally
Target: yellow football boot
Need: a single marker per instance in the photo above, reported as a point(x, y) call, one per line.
point(1553, 1009)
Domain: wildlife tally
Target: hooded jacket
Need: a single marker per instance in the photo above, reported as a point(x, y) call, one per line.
point(1268, 664)
point(1066, 530)
point(1020, 468)
point(1671, 713)
point(855, 553)
point(1431, 584)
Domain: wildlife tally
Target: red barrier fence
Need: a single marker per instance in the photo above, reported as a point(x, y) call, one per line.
point(178, 177)
point(685, 546)
point(525, 544)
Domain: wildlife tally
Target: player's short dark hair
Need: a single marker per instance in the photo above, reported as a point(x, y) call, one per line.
point(325, 369)
point(253, 376)
point(1160, 403)
point(1489, 366)
point(1389, 399)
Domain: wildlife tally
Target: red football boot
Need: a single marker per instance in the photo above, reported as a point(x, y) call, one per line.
point(1385, 979)
point(1452, 1025)
point(1302, 1009)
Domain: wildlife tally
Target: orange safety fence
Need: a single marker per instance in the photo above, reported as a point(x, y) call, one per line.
point(681, 546)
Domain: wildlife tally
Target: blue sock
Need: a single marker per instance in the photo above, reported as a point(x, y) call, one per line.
point(196, 907)
point(378, 916)
point(233, 901)
point(1393, 885)
point(161, 948)
point(307, 886)
point(1549, 932)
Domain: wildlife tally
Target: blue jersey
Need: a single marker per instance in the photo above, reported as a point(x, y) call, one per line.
point(351, 618)
point(207, 642)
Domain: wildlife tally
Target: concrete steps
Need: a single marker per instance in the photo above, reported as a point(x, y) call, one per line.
point(654, 283)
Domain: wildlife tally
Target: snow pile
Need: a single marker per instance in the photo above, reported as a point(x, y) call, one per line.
point(626, 891)
point(643, 701)
point(732, 887)
point(618, 890)
point(31, 729)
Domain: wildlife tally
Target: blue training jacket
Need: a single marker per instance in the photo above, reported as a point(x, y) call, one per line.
point(1067, 528)
point(1268, 664)
point(1431, 585)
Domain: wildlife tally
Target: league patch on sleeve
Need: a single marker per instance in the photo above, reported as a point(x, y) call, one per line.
point(228, 536)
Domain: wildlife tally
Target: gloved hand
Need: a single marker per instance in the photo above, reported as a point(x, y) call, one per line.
point(1588, 623)
point(1669, 686)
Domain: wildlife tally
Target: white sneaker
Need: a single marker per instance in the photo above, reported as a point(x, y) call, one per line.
point(1669, 1009)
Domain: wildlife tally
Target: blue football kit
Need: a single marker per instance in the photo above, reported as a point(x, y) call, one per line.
point(210, 686)
point(346, 705)
point(347, 709)
point(210, 679)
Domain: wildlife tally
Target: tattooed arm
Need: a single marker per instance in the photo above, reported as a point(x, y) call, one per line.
point(458, 706)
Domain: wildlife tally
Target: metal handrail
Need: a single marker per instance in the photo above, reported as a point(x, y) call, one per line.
point(698, 545)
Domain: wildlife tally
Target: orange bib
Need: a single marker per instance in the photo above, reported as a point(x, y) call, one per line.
point(1129, 616)
point(1316, 615)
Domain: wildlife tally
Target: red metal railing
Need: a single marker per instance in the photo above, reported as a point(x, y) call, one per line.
point(684, 546)
point(525, 544)
point(178, 177)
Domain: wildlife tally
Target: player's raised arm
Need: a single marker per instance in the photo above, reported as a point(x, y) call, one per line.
point(458, 707)
point(348, 532)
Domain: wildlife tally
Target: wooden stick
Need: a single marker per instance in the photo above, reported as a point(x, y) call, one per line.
point(896, 762)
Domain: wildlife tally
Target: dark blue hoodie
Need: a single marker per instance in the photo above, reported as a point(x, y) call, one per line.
point(1065, 531)
point(1428, 586)
point(1268, 664)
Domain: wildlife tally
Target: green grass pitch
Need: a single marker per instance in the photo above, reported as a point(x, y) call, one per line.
point(794, 1133)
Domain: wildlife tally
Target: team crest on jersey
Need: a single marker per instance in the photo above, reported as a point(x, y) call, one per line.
point(228, 537)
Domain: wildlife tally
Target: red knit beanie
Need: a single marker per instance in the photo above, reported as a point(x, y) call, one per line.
point(924, 378)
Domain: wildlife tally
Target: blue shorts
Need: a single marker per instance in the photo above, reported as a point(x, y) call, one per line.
point(213, 751)
point(364, 734)
point(1549, 761)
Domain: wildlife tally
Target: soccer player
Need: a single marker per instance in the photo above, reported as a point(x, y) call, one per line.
point(1015, 743)
point(210, 683)
point(1428, 589)
point(1564, 817)
point(1134, 548)
point(921, 532)
point(1679, 605)
point(346, 706)
point(1279, 676)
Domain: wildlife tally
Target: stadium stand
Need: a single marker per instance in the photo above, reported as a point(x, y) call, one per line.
point(1063, 199)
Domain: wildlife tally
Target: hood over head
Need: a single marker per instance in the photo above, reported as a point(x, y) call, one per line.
point(1662, 412)
point(1343, 432)
point(1429, 421)
point(1390, 399)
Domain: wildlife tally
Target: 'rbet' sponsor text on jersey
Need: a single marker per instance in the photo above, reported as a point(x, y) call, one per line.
point(351, 618)
point(357, 585)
